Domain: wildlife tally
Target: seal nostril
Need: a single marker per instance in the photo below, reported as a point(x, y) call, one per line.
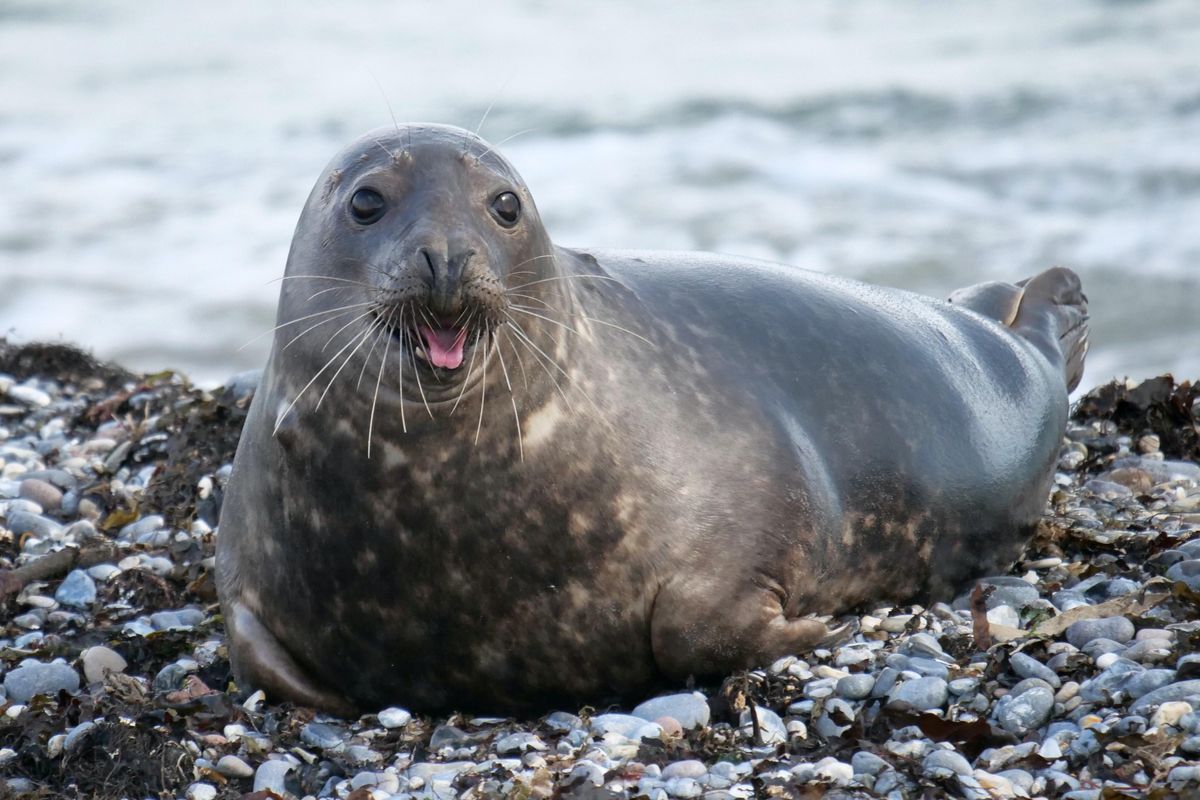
point(429, 262)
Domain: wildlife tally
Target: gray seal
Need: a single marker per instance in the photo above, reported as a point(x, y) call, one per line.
point(486, 472)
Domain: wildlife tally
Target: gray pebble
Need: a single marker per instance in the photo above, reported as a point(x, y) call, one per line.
point(518, 743)
point(1020, 714)
point(33, 678)
point(684, 787)
point(99, 661)
point(689, 710)
point(562, 722)
point(1175, 691)
point(922, 694)
point(234, 767)
point(169, 678)
point(1066, 599)
point(945, 763)
point(865, 763)
point(624, 724)
point(689, 768)
point(1186, 571)
point(321, 735)
point(77, 590)
point(856, 687)
point(147, 524)
point(1119, 629)
point(271, 775)
point(22, 522)
point(770, 727)
point(394, 717)
point(1146, 681)
point(924, 645)
point(76, 735)
point(1029, 667)
point(44, 493)
point(1188, 667)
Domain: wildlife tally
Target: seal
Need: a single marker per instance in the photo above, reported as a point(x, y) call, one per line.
point(486, 472)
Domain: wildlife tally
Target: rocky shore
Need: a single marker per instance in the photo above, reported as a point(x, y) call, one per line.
point(1077, 675)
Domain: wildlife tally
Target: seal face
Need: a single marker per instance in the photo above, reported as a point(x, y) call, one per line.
point(483, 471)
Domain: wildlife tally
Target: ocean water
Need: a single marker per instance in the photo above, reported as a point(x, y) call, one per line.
point(155, 156)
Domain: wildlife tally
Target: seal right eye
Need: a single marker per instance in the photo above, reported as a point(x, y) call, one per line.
point(367, 206)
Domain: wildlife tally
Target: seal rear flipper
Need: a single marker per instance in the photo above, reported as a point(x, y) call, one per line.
point(1049, 309)
point(260, 660)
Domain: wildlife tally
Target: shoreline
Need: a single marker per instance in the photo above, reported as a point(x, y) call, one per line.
point(1069, 677)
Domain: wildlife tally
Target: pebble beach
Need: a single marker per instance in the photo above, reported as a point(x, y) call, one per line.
point(1076, 675)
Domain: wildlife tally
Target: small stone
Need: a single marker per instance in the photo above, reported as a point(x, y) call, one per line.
point(76, 735)
point(856, 687)
point(201, 791)
point(1175, 691)
point(271, 775)
point(1029, 667)
point(684, 769)
point(922, 694)
point(945, 764)
point(394, 717)
point(865, 763)
point(22, 522)
point(562, 722)
point(1118, 629)
point(689, 710)
point(44, 493)
point(1188, 667)
point(1170, 713)
point(77, 590)
point(234, 767)
point(684, 787)
point(1020, 714)
point(33, 678)
point(29, 395)
point(770, 727)
point(623, 724)
point(321, 735)
point(98, 661)
point(449, 736)
point(836, 771)
point(518, 744)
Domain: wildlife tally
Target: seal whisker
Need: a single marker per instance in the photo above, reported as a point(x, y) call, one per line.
point(343, 309)
point(521, 364)
point(283, 416)
point(400, 360)
point(534, 350)
point(513, 398)
point(525, 336)
point(568, 278)
point(503, 141)
point(466, 380)
point(527, 310)
point(379, 380)
point(618, 327)
point(416, 371)
point(321, 277)
point(329, 341)
point(316, 325)
point(361, 341)
point(483, 391)
point(531, 297)
point(381, 330)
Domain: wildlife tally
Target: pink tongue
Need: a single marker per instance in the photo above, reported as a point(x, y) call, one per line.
point(444, 346)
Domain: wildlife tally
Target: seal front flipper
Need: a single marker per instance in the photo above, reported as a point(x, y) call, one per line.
point(259, 660)
point(695, 631)
point(1049, 309)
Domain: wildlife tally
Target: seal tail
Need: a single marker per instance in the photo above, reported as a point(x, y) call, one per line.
point(1049, 309)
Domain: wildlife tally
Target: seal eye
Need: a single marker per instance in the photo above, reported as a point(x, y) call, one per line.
point(367, 206)
point(506, 208)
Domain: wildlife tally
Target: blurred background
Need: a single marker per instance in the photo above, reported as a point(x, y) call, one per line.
point(155, 156)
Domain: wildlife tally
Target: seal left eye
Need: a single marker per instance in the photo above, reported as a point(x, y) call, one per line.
point(507, 208)
point(367, 206)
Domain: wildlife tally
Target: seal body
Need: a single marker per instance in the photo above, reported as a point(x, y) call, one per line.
point(505, 475)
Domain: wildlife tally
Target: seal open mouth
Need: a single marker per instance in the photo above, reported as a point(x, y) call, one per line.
point(443, 345)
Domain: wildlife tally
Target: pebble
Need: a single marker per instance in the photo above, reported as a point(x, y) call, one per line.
point(945, 763)
point(33, 678)
point(518, 743)
point(1021, 713)
point(394, 717)
point(98, 661)
point(234, 767)
point(201, 791)
point(321, 735)
point(1117, 629)
point(1170, 713)
point(271, 774)
point(856, 687)
point(689, 710)
point(22, 522)
point(1175, 691)
point(1029, 667)
point(44, 493)
point(76, 735)
point(921, 694)
point(77, 590)
point(770, 726)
